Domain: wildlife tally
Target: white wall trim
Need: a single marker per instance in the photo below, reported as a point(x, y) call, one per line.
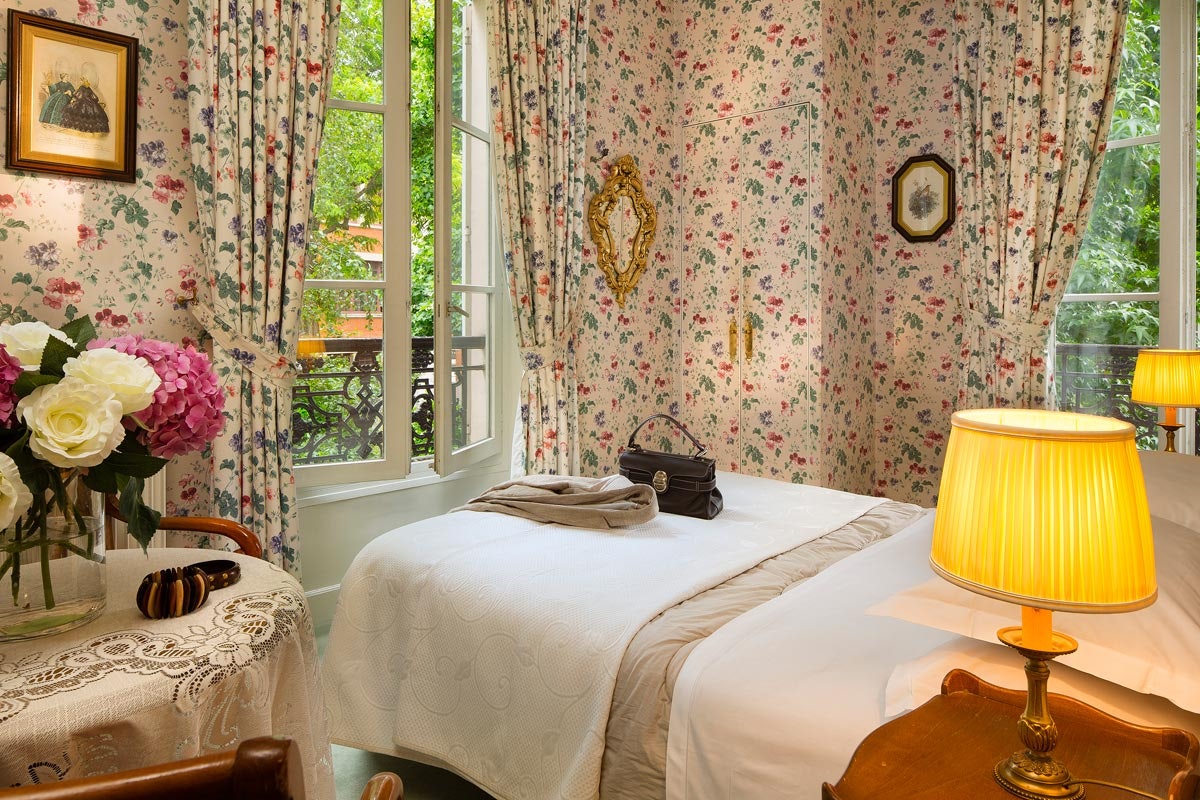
point(321, 605)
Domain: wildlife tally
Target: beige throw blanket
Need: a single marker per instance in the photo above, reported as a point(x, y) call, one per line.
point(610, 502)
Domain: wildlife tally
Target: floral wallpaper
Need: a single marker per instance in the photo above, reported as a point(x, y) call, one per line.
point(124, 253)
point(918, 322)
point(876, 77)
point(625, 357)
point(884, 321)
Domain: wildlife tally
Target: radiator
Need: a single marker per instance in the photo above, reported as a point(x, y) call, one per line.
point(155, 495)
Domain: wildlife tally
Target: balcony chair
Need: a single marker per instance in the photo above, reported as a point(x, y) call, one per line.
point(266, 768)
point(246, 541)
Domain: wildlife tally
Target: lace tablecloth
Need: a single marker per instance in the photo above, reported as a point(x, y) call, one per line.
point(124, 691)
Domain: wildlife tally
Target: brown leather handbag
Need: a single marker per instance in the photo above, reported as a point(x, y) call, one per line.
point(685, 485)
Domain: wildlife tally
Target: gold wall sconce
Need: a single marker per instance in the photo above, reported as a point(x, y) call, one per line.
point(622, 205)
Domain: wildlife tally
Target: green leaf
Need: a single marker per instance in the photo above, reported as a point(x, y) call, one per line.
point(55, 355)
point(102, 478)
point(81, 331)
point(26, 382)
point(141, 520)
point(134, 465)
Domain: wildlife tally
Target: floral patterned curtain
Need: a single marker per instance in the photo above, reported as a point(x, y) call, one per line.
point(537, 56)
point(1035, 84)
point(259, 80)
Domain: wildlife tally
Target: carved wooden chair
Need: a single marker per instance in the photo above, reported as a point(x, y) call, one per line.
point(242, 536)
point(267, 768)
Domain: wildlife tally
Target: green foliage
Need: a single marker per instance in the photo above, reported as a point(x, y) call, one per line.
point(349, 190)
point(1120, 251)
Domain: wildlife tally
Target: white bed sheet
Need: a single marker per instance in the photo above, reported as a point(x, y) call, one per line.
point(775, 702)
point(491, 644)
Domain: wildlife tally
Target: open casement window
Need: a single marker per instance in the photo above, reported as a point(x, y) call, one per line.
point(399, 313)
point(1134, 284)
point(465, 240)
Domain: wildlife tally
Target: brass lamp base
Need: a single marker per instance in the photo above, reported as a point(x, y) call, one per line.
point(1033, 773)
point(1170, 429)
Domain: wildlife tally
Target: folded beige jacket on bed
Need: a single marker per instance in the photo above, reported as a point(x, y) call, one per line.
point(610, 502)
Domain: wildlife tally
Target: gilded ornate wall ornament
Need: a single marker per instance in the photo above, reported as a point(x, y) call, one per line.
point(622, 258)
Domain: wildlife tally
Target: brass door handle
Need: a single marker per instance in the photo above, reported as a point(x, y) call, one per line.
point(749, 333)
point(733, 338)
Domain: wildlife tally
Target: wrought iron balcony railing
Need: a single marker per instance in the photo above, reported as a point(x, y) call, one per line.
point(1096, 378)
point(337, 401)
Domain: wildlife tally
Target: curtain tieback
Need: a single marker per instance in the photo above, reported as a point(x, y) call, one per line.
point(541, 356)
point(1027, 335)
point(272, 367)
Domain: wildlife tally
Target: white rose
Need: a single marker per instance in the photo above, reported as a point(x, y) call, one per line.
point(72, 423)
point(26, 341)
point(130, 378)
point(14, 494)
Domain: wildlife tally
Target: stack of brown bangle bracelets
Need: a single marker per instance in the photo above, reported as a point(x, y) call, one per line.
point(181, 590)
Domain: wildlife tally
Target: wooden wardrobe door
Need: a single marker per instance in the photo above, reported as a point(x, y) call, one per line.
point(780, 373)
point(711, 290)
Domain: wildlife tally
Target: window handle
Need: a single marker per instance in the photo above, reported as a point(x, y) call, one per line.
point(457, 310)
point(733, 338)
point(749, 329)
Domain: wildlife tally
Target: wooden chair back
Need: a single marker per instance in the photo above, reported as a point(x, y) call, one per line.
point(259, 769)
point(242, 536)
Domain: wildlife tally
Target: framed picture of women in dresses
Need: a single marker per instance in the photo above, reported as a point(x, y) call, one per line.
point(72, 99)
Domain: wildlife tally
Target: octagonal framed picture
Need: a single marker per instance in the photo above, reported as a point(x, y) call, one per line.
point(923, 198)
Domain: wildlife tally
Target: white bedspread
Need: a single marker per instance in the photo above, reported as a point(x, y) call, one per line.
point(776, 701)
point(491, 644)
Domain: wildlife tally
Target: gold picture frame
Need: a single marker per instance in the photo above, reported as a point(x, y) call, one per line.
point(72, 99)
point(622, 259)
point(923, 198)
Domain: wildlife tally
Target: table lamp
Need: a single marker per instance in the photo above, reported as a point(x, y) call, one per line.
point(1169, 378)
point(1048, 510)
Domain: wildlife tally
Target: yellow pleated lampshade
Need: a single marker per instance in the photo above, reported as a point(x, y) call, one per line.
point(1046, 509)
point(1167, 378)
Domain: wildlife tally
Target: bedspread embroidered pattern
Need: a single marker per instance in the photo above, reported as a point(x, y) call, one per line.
point(493, 647)
point(124, 692)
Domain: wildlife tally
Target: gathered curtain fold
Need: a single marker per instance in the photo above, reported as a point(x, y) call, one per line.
point(537, 52)
point(256, 103)
point(1035, 84)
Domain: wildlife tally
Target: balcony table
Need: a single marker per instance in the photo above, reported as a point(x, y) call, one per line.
point(123, 691)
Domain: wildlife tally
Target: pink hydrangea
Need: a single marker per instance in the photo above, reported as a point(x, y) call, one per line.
point(10, 370)
point(186, 412)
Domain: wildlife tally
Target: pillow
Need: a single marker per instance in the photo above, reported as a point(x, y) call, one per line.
point(1155, 650)
point(914, 682)
point(1170, 480)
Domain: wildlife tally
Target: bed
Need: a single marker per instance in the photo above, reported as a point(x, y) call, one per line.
point(776, 701)
point(536, 660)
point(541, 662)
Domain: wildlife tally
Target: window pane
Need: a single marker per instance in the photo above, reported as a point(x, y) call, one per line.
point(421, 142)
point(358, 66)
point(469, 76)
point(471, 202)
point(1120, 248)
point(348, 207)
point(1123, 323)
point(337, 402)
point(1135, 112)
point(1094, 359)
point(469, 368)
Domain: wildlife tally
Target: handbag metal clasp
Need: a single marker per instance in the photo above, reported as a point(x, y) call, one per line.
point(659, 482)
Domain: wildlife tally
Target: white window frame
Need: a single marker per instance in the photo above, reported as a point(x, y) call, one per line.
point(445, 458)
point(1176, 137)
point(397, 463)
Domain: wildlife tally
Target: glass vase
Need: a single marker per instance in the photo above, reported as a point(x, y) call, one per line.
point(52, 569)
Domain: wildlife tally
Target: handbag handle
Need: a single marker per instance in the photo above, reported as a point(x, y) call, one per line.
point(700, 449)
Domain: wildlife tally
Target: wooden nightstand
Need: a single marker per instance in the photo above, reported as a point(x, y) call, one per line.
point(946, 749)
